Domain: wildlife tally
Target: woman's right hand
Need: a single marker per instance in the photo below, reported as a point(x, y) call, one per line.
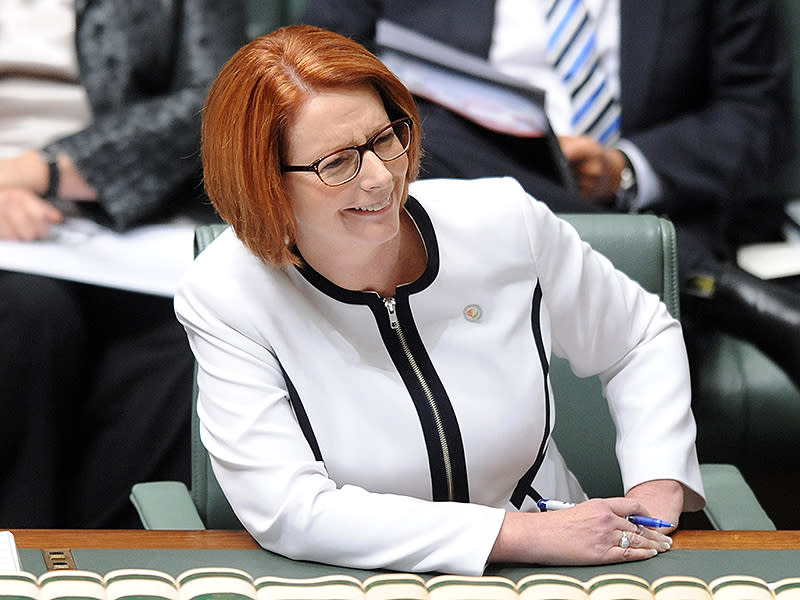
point(587, 534)
point(25, 216)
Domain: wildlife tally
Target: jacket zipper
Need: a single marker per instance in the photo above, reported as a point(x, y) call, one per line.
point(394, 323)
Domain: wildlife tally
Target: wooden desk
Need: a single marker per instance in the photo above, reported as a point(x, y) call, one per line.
point(736, 540)
point(702, 553)
point(134, 538)
point(241, 540)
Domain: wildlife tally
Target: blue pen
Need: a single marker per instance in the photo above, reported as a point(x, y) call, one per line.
point(648, 521)
point(545, 504)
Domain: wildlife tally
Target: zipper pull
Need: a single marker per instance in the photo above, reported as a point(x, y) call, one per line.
point(389, 303)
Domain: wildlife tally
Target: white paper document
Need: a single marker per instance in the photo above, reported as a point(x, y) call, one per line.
point(9, 556)
point(770, 260)
point(463, 83)
point(150, 259)
point(493, 107)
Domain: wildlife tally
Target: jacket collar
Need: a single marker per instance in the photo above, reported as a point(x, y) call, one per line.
point(424, 225)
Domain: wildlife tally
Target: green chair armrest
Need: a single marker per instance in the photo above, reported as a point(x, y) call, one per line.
point(165, 505)
point(730, 503)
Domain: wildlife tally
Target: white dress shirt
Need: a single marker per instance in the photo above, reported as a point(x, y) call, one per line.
point(41, 98)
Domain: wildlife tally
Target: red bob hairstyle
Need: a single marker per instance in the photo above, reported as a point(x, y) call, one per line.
point(249, 109)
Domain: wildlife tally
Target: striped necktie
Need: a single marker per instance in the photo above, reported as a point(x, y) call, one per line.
point(572, 49)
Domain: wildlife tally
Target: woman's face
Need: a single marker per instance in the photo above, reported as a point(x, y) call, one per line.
point(363, 214)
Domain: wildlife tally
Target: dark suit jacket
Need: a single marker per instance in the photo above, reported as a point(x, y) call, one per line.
point(147, 66)
point(704, 85)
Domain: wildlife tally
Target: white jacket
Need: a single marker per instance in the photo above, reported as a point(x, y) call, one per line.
point(331, 431)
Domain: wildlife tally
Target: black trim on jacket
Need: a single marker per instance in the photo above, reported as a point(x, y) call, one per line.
point(525, 487)
point(302, 416)
point(428, 422)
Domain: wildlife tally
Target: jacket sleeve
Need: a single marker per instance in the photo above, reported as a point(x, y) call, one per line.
point(143, 147)
point(606, 324)
point(718, 124)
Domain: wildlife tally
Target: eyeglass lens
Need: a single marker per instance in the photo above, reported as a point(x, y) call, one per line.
point(388, 144)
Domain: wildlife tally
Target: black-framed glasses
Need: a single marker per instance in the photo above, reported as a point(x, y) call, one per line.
point(339, 167)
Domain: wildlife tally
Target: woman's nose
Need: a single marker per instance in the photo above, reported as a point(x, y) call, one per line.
point(374, 172)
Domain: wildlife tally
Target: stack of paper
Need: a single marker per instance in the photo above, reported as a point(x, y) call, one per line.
point(9, 556)
point(150, 259)
point(775, 259)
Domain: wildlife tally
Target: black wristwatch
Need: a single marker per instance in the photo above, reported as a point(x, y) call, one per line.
point(54, 175)
point(626, 192)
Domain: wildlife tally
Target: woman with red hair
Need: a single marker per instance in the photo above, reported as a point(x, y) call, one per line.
point(373, 353)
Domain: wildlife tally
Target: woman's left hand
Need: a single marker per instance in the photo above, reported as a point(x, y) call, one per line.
point(597, 169)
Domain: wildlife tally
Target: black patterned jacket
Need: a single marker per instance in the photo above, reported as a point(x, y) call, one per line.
point(147, 66)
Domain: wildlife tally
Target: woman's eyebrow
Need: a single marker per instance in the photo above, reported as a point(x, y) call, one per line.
point(352, 144)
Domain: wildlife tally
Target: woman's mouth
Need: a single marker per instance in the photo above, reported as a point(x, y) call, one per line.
point(371, 208)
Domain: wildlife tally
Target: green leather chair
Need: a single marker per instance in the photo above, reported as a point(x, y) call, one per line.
point(747, 409)
point(643, 246)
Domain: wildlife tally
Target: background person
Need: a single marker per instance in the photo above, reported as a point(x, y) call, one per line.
point(99, 104)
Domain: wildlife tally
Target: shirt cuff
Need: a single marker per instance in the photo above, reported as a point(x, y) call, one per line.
point(647, 182)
